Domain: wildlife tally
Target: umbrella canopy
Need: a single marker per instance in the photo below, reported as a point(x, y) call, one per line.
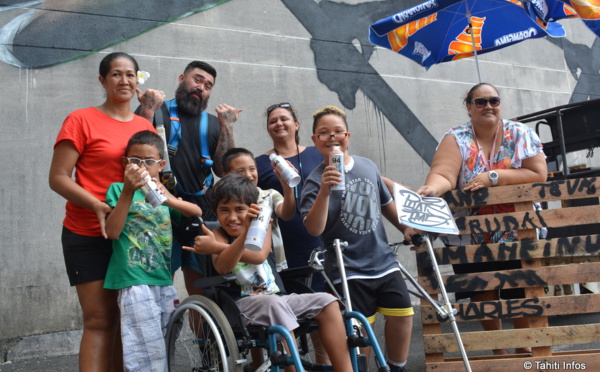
point(553, 10)
point(439, 31)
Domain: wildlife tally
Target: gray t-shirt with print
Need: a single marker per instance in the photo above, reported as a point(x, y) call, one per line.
point(354, 216)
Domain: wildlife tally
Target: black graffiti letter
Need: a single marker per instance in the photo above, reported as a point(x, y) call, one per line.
point(483, 251)
point(510, 223)
point(526, 246)
point(528, 221)
point(510, 248)
point(475, 227)
point(532, 304)
point(592, 247)
point(488, 225)
point(589, 185)
point(572, 186)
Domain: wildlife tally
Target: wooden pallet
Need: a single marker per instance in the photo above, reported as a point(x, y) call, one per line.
point(578, 263)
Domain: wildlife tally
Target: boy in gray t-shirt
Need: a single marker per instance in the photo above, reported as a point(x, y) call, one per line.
point(354, 215)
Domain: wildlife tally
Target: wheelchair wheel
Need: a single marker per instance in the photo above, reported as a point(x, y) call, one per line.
point(199, 338)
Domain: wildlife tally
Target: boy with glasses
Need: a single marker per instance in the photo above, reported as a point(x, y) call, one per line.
point(354, 215)
point(140, 266)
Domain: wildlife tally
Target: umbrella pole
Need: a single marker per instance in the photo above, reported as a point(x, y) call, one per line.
point(473, 40)
point(449, 309)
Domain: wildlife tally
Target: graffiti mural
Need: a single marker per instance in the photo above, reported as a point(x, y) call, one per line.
point(584, 65)
point(43, 33)
point(49, 32)
point(345, 69)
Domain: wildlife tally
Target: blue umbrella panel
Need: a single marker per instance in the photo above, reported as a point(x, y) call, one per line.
point(446, 30)
point(553, 10)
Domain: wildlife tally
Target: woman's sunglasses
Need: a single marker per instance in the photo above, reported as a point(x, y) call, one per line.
point(278, 105)
point(482, 102)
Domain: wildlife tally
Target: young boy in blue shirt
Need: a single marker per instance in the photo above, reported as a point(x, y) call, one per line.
point(140, 266)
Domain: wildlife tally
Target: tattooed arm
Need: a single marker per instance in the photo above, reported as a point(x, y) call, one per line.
point(227, 116)
point(150, 101)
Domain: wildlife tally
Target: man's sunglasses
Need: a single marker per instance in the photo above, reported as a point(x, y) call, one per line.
point(482, 102)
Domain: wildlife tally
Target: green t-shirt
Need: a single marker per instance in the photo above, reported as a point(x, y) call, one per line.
point(142, 254)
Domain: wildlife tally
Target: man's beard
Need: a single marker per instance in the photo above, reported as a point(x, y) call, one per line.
point(188, 103)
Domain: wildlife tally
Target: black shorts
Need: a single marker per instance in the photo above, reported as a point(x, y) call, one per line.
point(387, 295)
point(86, 257)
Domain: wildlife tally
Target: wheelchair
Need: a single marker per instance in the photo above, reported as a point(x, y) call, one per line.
point(208, 333)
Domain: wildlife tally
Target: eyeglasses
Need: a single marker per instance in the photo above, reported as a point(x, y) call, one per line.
point(324, 137)
point(482, 102)
point(148, 163)
point(277, 105)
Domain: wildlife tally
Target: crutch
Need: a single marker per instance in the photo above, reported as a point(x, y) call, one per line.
point(421, 293)
point(430, 215)
point(381, 362)
point(448, 310)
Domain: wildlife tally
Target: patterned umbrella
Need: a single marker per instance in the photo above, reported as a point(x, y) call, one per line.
point(553, 10)
point(439, 31)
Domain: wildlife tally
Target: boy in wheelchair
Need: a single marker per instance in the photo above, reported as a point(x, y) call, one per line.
point(233, 201)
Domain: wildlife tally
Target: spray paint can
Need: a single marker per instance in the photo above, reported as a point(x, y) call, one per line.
point(336, 158)
point(287, 173)
point(152, 192)
point(257, 231)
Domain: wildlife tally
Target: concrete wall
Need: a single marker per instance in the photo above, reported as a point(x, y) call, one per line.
point(306, 52)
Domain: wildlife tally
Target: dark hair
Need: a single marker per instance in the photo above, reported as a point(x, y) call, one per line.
point(326, 111)
point(469, 96)
point(233, 186)
point(232, 154)
point(105, 64)
point(202, 66)
point(286, 106)
point(147, 137)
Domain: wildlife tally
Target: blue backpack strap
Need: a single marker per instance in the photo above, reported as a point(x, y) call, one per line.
point(207, 162)
point(204, 153)
point(175, 133)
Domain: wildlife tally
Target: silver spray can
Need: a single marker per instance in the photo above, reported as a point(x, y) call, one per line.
point(287, 173)
point(336, 158)
point(257, 231)
point(152, 192)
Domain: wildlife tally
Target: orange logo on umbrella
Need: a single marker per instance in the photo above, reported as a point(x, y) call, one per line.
point(569, 10)
point(462, 46)
point(516, 2)
point(398, 38)
point(589, 9)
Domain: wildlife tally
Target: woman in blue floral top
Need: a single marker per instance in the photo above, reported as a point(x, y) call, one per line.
point(487, 151)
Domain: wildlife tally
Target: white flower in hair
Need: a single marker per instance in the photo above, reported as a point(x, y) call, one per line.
point(142, 76)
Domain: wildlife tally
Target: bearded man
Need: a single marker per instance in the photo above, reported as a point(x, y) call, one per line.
point(194, 152)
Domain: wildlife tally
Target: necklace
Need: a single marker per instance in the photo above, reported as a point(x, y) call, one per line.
point(488, 163)
point(300, 173)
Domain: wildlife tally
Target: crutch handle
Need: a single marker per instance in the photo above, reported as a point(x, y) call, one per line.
point(416, 240)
